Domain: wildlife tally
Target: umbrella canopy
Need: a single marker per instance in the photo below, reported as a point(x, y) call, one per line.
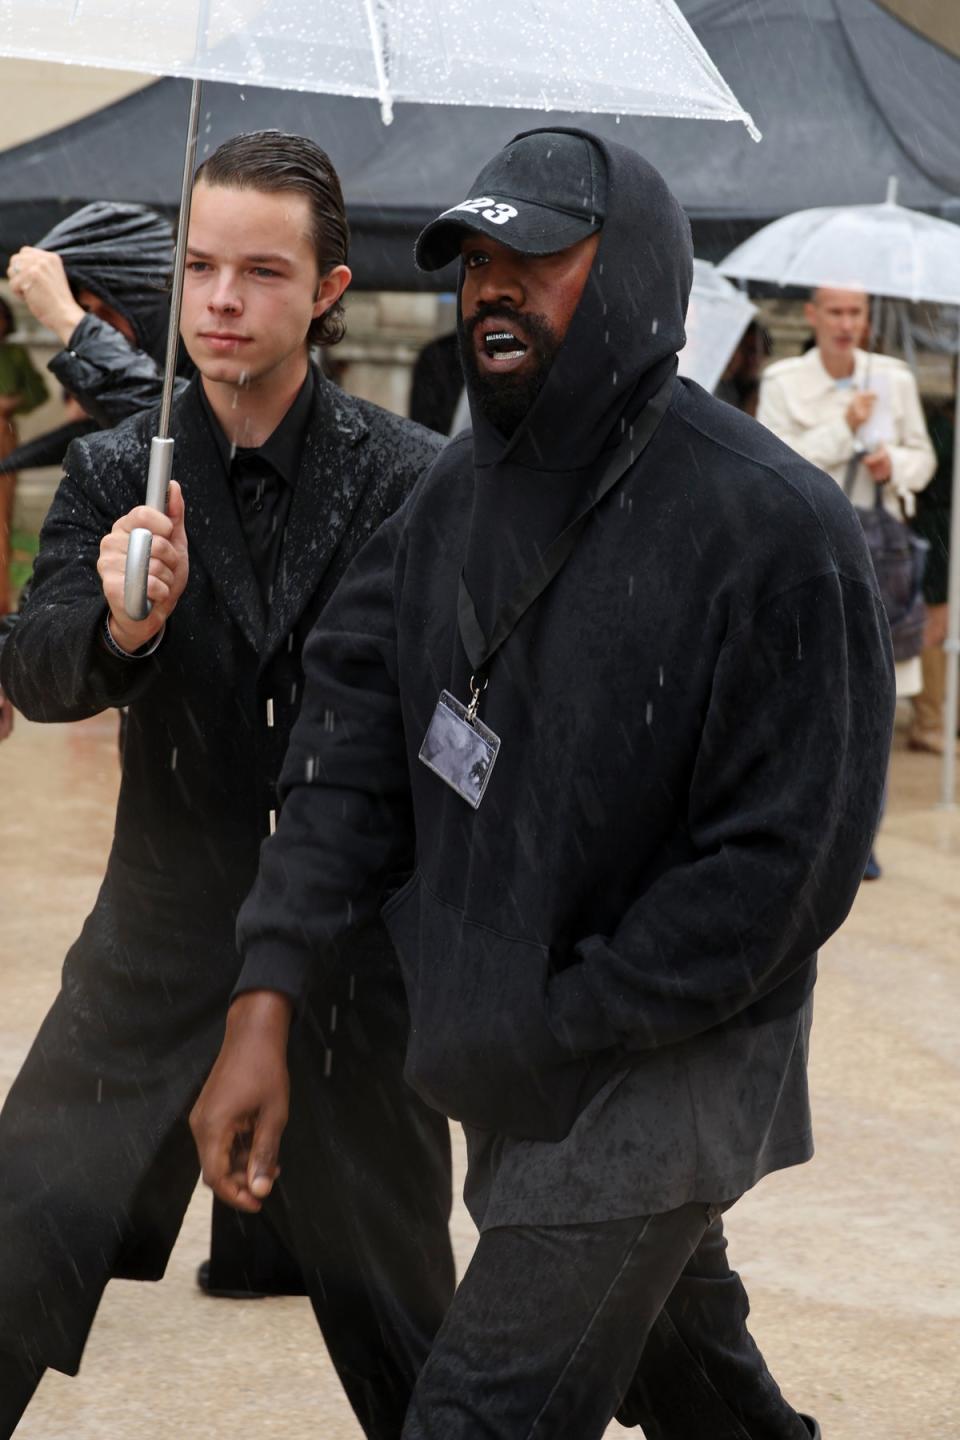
point(884, 249)
point(716, 319)
point(593, 56)
point(640, 59)
point(816, 76)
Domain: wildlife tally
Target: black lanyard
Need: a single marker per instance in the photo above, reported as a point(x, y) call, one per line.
point(481, 650)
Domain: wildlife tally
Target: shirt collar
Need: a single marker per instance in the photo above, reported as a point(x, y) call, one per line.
point(827, 381)
point(282, 448)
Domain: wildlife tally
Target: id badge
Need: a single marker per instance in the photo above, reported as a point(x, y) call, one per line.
point(461, 751)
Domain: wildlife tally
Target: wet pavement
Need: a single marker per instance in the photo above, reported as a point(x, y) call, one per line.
point(851, 1261)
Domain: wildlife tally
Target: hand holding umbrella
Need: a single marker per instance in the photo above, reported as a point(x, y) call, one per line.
point(167, 570)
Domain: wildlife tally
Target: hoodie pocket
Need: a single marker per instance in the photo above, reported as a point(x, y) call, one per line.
point(480, 1048)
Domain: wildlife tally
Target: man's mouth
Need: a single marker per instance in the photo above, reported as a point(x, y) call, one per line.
point(219, 337)
point(504, 345)
point(498, 346)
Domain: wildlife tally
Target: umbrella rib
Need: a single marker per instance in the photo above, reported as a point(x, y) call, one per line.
point(380, 61)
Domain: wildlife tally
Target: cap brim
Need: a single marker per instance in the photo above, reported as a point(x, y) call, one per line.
point(532, 230)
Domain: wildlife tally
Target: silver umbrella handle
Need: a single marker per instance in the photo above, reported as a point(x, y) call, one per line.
point(135, 601)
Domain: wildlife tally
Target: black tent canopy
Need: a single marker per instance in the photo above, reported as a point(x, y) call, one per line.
point(845, 93)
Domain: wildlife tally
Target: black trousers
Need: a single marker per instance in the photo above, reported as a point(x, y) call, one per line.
point(556, 1330)
point(247, 1257)
point(363, 1202)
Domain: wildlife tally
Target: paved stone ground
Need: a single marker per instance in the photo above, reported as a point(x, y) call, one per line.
point(851, 1262)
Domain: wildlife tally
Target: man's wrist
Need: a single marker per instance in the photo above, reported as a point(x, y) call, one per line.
point(263, 1011)
point(64, 323)
point(125, 647)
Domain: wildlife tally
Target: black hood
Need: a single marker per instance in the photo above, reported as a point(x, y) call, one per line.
point(625, 334)
point(124, 255)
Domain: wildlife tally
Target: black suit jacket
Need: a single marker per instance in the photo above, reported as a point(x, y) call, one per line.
point(145, 987)
point(210, 713)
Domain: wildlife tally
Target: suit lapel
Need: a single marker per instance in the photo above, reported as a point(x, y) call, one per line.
point(213, 526)
point(329, 486)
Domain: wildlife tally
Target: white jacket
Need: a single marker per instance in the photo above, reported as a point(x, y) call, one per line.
point(806, 407)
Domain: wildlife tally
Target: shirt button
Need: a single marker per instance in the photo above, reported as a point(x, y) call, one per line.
point(269, 714)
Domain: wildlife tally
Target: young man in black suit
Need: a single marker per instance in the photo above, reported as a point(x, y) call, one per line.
point(282, 477)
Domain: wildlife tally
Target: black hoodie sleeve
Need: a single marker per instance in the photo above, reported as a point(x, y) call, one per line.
point(346, 823)
point(53, 663)
point(111, 378)
point(786, 793)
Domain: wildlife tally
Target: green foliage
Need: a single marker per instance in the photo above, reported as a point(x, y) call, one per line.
point(23, 545)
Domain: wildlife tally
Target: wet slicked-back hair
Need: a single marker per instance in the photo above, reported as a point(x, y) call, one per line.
point(270, 161)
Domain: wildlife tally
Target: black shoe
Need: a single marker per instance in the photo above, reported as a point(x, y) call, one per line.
point(872, 871)
point(223, 1292)
point(812, 1426)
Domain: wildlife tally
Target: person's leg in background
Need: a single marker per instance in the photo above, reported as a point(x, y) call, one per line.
point(247, 1259)
point(926, 730)
point(872, 870)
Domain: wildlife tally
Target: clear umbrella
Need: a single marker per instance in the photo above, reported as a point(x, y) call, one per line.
point(716, 319)
point(896, 253)
point(595, 56)
point(884, 249)
point(639, 58)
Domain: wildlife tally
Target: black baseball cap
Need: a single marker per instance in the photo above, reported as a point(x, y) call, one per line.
point(542, 192)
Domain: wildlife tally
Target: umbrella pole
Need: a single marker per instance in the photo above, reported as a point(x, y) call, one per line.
point(160, 469)
point(948, 794)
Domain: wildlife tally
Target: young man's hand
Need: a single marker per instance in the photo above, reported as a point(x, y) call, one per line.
point(242, 1111)
point(169, 569)
point(37, 277)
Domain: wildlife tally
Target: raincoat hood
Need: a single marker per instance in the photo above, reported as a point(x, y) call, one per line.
point(624, 336)
point(123, 254)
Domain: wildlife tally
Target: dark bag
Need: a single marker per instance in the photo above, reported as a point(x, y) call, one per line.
point(899, 560)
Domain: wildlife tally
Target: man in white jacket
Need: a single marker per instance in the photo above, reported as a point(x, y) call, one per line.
point(837, 401)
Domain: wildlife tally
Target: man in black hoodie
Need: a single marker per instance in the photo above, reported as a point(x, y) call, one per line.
point(641, 803)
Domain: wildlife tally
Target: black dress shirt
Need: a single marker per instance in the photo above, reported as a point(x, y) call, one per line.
point(262, 481)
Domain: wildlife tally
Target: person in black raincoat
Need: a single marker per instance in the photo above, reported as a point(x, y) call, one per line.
point(100, 280)
point(96, 1160)
point(619, 673)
